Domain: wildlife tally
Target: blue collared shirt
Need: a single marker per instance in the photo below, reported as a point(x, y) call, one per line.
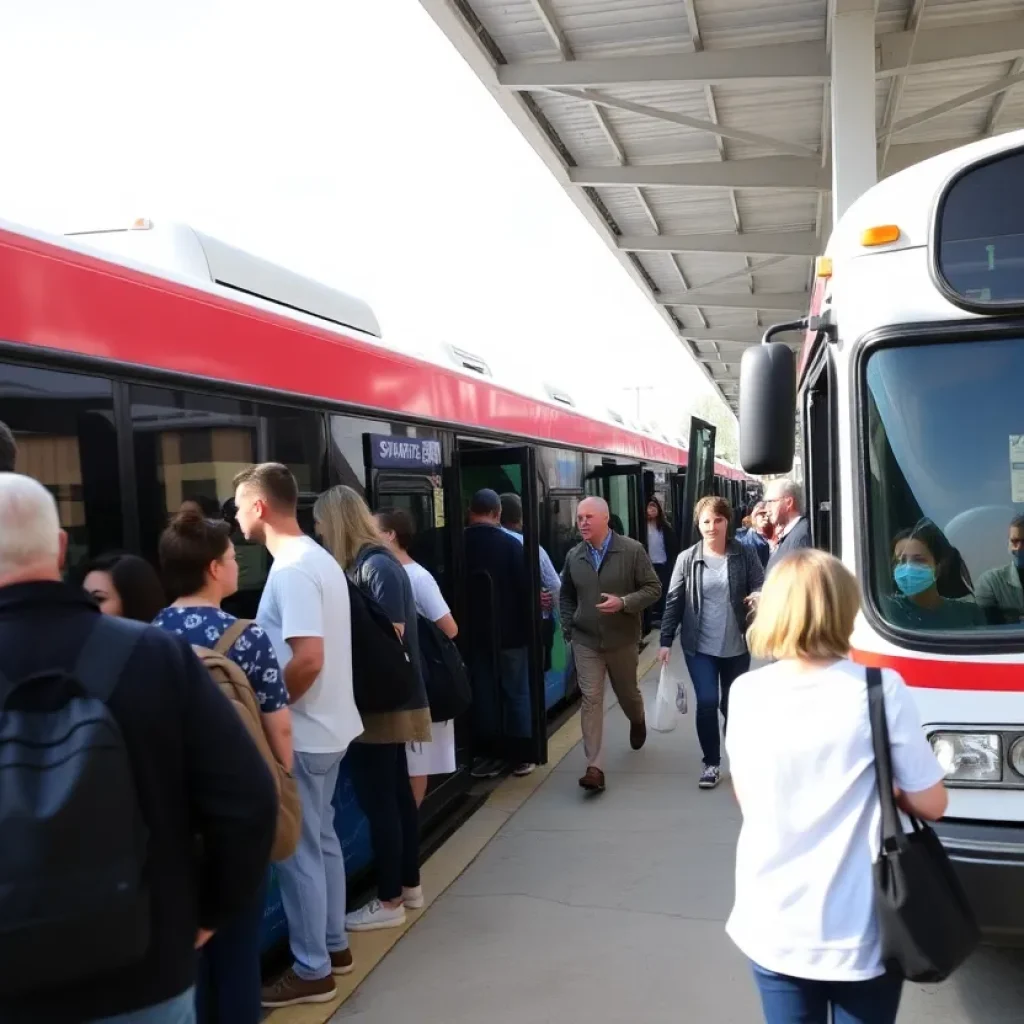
point(550, 580)
point(597, 554)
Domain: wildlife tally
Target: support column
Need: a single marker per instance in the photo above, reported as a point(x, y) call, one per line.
point(854, 140)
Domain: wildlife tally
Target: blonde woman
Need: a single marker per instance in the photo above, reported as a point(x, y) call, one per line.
point(800, 754)
point(377, 759)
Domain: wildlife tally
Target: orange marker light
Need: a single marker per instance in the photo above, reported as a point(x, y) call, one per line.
point(881, 235)
point(142, 224)
point(823, 266)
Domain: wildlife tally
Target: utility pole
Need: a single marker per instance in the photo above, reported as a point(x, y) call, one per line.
point(637, 390)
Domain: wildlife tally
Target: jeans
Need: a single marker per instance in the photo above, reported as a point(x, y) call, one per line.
point(801, 1001)
point(312, 879)
point(179, 1010)
point(380, 776)
point(228, 985)
point(501, 706)
point(713, 677)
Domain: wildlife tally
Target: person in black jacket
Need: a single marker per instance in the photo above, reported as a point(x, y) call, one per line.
point(207, 799)
point(662, 549)
point(791, 530)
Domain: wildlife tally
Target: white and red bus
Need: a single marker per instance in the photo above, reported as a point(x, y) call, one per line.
point(149, 372)
point(913, 454)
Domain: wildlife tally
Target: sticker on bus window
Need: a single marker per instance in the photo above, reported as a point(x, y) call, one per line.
point(1017, 467)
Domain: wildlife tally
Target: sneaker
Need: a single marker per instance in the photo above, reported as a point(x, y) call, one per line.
point(593, 780)
point(412, 897)
point(710, 777)
point(524, 769)
point(375, 916)
point(290, 990)
point(637, 734)
point(341, 961)
point(485, 768)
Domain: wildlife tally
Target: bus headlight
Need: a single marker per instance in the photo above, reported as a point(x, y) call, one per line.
point(970, 756)
point(1017, 755)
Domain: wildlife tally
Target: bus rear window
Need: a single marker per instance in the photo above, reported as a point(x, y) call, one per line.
point(980, 234)
point(945, 477)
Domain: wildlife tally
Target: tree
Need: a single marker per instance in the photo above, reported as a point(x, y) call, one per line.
point(709, 406)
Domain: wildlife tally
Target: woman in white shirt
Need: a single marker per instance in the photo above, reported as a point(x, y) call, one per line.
point(437, 756)
point(799, 746)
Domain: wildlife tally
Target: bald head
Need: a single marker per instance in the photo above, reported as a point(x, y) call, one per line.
point(592, 519)
point(31, 541)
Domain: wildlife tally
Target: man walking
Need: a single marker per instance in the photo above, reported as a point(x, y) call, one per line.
point(607, 582)
point(137, 815)
point(791, 531)
point(305, 612)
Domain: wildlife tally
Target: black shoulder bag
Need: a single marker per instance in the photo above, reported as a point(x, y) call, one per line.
point(926, 924)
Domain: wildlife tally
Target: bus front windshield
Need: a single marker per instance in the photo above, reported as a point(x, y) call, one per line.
point(945, 481)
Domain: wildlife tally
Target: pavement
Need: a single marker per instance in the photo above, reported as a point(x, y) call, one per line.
point(611, 908)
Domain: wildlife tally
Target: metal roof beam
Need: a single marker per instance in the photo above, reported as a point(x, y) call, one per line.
point(735, 300)
point(805, 62)
point(775, 172)
point(909, 153)
point(745, 335)
point(992, 89)
point(899, 52)
point(754, 243)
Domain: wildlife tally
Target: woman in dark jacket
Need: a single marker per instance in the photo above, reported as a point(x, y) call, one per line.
point(377, 759)
point(707, 603)
point(662, 549)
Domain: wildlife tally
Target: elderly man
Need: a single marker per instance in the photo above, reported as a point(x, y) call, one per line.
point(791, 531)
point(607, 582)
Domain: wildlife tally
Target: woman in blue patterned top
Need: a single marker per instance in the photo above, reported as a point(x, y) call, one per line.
point(198, 563)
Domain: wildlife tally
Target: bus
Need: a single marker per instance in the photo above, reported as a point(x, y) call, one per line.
point(912, 440)
point(141, 368)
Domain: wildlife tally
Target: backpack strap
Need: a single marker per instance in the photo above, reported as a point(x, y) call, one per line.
point(104, 655)
point(230, 635)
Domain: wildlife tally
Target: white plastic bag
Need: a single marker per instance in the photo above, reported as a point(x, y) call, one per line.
point(665, 713)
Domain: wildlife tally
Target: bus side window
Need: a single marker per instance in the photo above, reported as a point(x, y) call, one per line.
point(64, 427)
point(820, 454)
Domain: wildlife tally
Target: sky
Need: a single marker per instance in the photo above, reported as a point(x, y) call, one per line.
point(345, 140)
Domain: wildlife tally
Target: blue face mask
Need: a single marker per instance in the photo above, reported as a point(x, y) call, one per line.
point(913, 579)
point(1018, 558)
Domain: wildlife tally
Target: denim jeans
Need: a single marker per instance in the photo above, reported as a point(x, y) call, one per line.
point(228, 986)
point(712, 677)
point(380, 776)
point(501, 706)
point(801, 1001)
point(179, 1010)
point(312, 879)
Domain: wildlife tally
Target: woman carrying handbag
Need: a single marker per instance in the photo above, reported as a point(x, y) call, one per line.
point(803, 766)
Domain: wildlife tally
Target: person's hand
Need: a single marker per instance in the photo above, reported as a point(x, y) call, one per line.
point(203, 936)
point(664, 654)
point(547, 602)
point(751, 600)
point(611, 604)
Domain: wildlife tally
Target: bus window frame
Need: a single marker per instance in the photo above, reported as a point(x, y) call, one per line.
point(982, 640)
point(823, 361)
point(947, 291)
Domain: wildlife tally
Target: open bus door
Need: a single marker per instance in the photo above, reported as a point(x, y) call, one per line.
point(700, 475)
point(509, 714)
point(623, 488)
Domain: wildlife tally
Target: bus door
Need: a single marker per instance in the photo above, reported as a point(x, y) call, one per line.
point(700, 474)
point(623, 488)
point(681, 512)
point(501, 639)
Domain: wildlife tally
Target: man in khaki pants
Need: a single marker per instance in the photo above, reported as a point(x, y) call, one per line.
point(607, 582)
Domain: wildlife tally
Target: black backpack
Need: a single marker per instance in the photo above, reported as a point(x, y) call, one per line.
point(73, 897)
point(444, 673)
point(383, 676)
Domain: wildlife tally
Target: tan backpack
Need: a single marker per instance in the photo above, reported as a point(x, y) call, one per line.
point(234, 684)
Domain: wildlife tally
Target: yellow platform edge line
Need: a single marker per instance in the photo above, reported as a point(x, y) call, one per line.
point(447, 863)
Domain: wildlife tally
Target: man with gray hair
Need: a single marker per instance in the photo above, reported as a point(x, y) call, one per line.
point(785, 501)
point(128, 755)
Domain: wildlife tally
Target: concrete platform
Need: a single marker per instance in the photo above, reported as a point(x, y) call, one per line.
point(611, 908)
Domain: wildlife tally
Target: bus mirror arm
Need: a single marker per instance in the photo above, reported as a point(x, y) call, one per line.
point(790, 325)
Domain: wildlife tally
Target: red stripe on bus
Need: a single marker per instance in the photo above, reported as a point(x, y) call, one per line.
point(948, 675)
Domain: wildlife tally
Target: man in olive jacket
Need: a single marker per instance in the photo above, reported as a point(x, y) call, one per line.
point(607, 582)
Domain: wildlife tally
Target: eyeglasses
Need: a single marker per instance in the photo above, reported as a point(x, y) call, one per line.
point(772, 501)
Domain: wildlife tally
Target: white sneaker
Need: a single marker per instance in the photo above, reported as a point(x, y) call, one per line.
point(524, 769)
point(413, 898)
point(375, 916)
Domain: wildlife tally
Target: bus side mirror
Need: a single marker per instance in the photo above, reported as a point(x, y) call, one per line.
point(768, 409)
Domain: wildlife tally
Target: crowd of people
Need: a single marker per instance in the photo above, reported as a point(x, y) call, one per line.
point(174, 927)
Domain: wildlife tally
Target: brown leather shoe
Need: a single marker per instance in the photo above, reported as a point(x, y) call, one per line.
point(593, 780)
point(290, 989)
point(638, 734)
point(341, 961)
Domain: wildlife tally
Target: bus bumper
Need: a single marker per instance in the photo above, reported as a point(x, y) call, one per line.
point(989, 859)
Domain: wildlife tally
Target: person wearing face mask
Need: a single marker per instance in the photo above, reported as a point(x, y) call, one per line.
point(1000, 592)
point(917, 604)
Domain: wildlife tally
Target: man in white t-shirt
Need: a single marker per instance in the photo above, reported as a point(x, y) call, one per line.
point(305, 612)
